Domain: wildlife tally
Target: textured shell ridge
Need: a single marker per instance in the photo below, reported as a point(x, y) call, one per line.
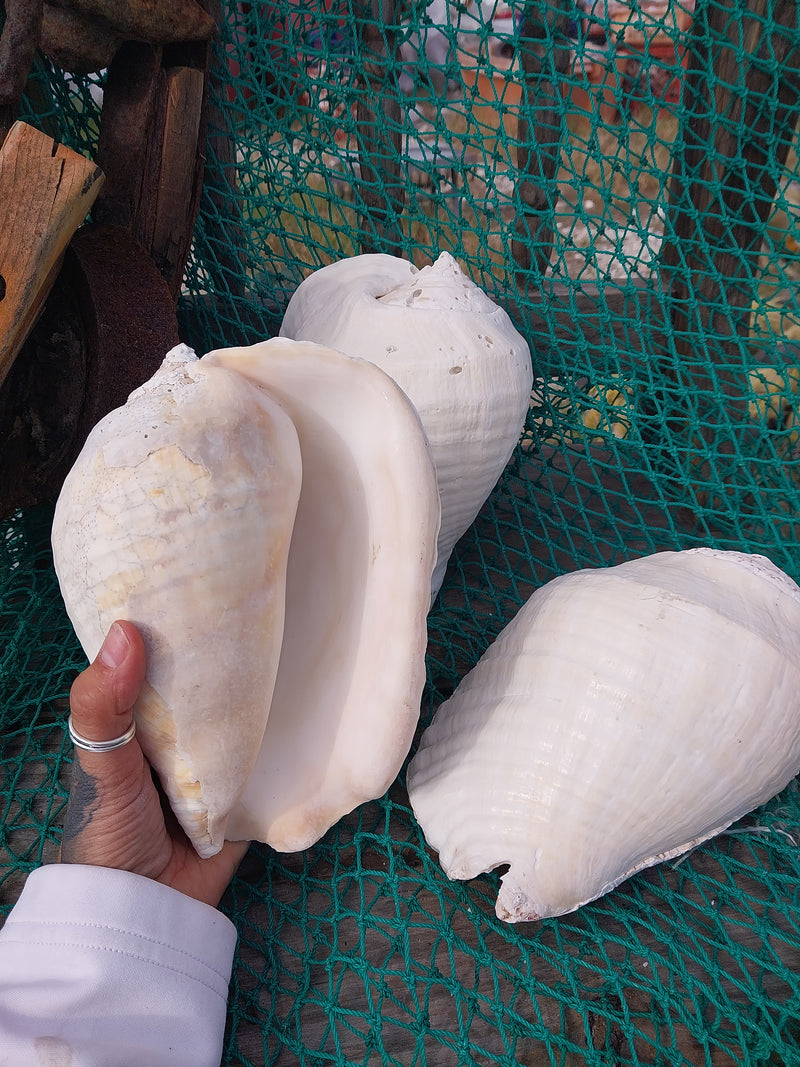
point(442, 286)
point(747, 588)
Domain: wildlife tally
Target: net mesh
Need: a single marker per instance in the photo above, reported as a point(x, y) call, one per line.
point(623, 178)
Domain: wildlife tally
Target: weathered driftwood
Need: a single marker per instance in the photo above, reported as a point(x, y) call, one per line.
point(83, 36)
point(77, 43)
point(157, 21)
point(46, 191)
point(152, 147)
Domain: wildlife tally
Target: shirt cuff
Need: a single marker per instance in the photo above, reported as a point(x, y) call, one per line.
point(116, 966)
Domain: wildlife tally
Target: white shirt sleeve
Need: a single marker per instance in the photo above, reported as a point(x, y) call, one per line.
point(102, 968)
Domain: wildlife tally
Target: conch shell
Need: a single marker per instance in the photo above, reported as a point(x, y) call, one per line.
point(267, 517)
point(453, 351)
point(625, 715)
point(177, 515)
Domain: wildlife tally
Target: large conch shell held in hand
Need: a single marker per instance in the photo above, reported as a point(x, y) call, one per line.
point(623, 716)
point(274, 544)
point(453, 351)
point(177, 516)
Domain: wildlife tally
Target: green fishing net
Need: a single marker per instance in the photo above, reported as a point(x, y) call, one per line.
point(623, 178)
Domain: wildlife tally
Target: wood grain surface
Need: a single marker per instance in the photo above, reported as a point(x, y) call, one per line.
point(46, 191)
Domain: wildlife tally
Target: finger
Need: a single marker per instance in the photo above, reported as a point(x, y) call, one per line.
point(102, 696)
point(112, 801)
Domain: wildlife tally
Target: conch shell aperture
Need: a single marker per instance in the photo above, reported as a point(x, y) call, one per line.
point(191, 510)
point(352, 667)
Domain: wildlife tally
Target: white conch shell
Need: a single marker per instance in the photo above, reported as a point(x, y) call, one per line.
point(624, 716)
point(185, 514)
point(454, 352)
point(352, 668)
point(177, 516)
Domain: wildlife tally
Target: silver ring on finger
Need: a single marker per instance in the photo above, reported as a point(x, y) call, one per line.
point(100, 746)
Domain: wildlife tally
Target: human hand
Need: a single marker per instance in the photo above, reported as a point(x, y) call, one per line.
point(115, 814)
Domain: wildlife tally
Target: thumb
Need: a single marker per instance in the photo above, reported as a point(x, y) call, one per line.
point(102, 696)
point(113, 816)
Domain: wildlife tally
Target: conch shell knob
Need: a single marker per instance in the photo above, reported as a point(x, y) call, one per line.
point(177, 516)
point(623, 716)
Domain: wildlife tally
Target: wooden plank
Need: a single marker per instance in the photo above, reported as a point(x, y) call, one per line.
point(46, 191)
point(556, 315)
point(222, 212)
point(152, 144)
point(166, 223)
point(129, 104)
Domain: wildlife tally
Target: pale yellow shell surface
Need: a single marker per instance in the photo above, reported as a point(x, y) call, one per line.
point(177, 516)
point(622, 717)
point(453, 351)
point(352, 667)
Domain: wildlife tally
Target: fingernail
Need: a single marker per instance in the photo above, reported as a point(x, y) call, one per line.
point(115, 646)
